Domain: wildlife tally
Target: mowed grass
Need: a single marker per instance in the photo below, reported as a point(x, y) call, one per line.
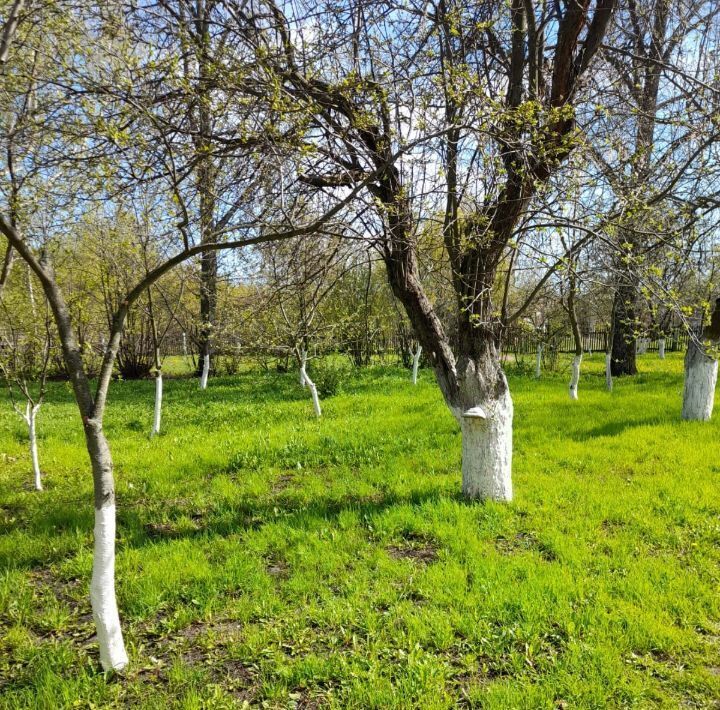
point(269, 559)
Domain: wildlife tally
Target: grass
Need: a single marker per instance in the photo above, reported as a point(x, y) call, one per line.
point(269, 559)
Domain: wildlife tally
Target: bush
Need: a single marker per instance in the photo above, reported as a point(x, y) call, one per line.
point(328, 376)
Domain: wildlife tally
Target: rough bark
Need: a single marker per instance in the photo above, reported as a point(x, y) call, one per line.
point(623, 326)
point(700, 380)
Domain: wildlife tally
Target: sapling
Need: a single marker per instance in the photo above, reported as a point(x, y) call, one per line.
point(416, 363)
point(24, 360)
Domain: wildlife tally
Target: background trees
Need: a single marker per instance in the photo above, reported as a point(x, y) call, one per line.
point(502, 161)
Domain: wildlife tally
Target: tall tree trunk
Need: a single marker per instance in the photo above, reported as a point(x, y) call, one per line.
point(624, 323)
point(102, 586)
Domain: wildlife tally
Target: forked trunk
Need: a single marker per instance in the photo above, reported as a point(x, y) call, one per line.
point(102, 587)
point(205, 371)
point(661, 348)
point(158, 403)
point(700, 380)
point(416, 364)
point(575, 378)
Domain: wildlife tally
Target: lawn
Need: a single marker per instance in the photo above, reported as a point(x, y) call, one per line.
point(270, 559)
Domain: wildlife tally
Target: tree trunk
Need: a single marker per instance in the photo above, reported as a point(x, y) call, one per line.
point(158, 403)
point(31, 418)
point(102, 586)
point(304, 377)
point(416, 363)
point(608, 372)
point(575, 378)
point(642, 346)
point(661, 348)
point(624, 342)
point(700, 380)
point(303, 364)
point(538, 361)
point(487, 448)
point(205, 371)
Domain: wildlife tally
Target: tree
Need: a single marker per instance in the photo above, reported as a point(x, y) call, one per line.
point(504, 113)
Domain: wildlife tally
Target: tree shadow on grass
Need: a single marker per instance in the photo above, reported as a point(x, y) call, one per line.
point(616, 428)
point(140, 527)
point(141, 524)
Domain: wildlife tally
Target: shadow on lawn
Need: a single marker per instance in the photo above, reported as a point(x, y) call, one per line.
point(140, 528)
point(142, 522)
point(619, 427)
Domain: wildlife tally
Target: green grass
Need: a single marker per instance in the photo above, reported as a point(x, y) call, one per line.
point(269, 558)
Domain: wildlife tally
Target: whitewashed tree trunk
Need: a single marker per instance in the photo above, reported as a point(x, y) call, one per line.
point(304, 377)
point(205, 372)
point(661, 348)
point(575, 377)
point(303, 364)
point(416, 364)
point(487, 449)
point(30, 419)
point(184, 342)
point(642, 346)
point(538, 361)
point(608, 372)
point(700, 380)
point(102, 592)
point(158, 403)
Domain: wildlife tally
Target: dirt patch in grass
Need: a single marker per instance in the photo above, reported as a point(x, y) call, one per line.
point(414, 546)
point(525, 542)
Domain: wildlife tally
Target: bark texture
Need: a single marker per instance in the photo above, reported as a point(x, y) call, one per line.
point(700, 380)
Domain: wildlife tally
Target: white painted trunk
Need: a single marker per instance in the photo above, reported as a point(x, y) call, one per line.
point(538, 361)
point(661, 348)
point(158, 403)
point(313, 390)
point(608, 372)
point(184, 341)
point(575, 378)
point(303, 364)
point(205, 372)
point(31, 418)
point(102, 592)
point(487, 450)
point(642, 346)
point(700, 380)
point(416, 364)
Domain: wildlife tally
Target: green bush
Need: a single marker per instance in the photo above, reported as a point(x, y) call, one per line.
point(329, 375)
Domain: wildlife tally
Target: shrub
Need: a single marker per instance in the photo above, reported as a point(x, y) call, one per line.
point(328, 376)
